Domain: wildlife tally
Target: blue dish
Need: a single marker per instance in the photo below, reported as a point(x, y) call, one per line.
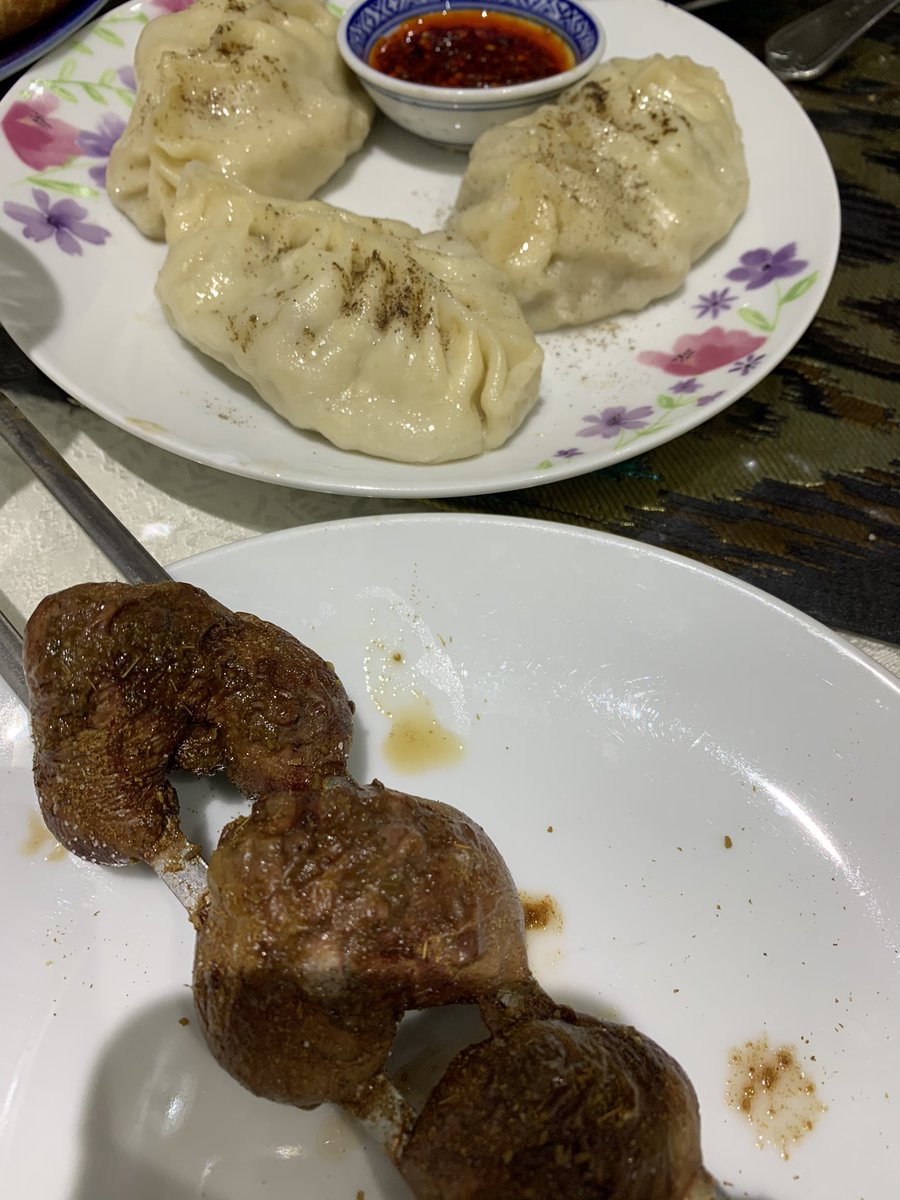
point(458, 116)
point(18, 52)
point(373, 19)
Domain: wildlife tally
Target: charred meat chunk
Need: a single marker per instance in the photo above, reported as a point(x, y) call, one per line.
point(128, 681)
point(561, 1105)
point(330, 913)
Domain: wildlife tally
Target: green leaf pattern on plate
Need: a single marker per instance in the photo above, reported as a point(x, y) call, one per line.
point(701, 360)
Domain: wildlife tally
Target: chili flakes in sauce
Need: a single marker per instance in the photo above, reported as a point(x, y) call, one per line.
point(471, 48)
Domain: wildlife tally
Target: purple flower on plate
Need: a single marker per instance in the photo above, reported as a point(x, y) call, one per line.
point(128, 77)
point(745, 365)
point(172, 6)
point(570, 452)
point(759, 267)
point(714, 303)
point(63, 220)
point(685, 386)
point(704, 400)
point(98, 142)
point(613, 420)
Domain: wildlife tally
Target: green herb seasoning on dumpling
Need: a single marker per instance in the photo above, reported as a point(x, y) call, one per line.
point(600, 203)
point(387, 341)
point(253, 88)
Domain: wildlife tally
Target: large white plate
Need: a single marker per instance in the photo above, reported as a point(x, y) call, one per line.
point(644, 707)
point(90, 321)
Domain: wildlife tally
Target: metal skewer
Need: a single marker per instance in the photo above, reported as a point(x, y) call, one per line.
point(101, 525)
point(385, 1113)
point(11, 658)
point(178, 865)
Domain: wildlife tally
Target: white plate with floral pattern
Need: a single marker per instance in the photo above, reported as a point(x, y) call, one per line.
point(697, 783)
point(78, 279)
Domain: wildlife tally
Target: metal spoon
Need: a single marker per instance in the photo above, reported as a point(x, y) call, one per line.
point(807, 47)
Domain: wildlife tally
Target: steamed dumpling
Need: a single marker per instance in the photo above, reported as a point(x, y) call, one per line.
point(599, 203)
point(384, 340)
point(255, 88)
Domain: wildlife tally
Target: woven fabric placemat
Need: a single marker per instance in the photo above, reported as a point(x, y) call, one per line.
point(795, 487)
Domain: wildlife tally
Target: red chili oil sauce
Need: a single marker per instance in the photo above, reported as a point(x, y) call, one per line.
point(471, 48)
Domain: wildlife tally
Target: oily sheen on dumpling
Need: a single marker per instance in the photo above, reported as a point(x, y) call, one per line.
point(382, 339)
point(254, 88)
point(600, 203)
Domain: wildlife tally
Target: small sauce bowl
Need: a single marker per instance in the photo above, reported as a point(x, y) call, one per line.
point(510, 56)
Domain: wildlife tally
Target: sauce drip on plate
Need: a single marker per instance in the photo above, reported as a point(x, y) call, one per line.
point(471, 48)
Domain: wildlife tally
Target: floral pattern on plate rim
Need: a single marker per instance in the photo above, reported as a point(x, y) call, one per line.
point(712, 353)
point(61, 154)
point(62, 157)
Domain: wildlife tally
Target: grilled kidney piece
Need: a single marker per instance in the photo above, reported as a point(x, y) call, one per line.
point(330, 913)
point(128, 681)
point(564, 1106)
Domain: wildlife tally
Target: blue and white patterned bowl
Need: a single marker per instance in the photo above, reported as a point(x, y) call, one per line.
point(456, 116)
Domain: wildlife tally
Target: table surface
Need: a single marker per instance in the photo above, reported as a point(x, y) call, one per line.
point(795, 488)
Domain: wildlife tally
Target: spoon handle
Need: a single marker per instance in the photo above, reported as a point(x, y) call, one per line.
point(807, 47)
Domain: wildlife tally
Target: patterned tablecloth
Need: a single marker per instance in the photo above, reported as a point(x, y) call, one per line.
point(795, 488)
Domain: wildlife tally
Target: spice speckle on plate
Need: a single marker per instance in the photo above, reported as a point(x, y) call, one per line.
point(774, 1092)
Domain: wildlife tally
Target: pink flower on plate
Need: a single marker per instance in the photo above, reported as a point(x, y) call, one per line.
point(172, 5)
point(697, 353)
point(39, 139)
